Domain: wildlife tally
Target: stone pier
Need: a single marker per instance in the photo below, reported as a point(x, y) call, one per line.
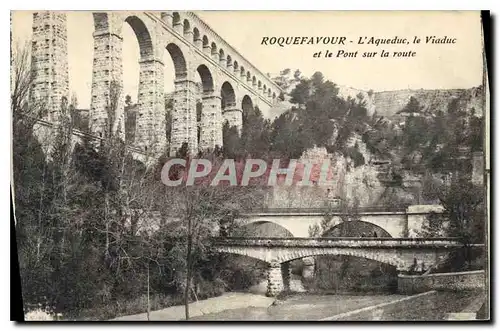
point(308, 270)
point(274, 280)
point(151, 126)
point(184, 127)
point(234, 117)
point(107, 70)
point(286, 273)
point(211, 123)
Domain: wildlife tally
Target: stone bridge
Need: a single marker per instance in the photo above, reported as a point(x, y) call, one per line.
point(206, 67)
point(402, 253)
point(394, 222)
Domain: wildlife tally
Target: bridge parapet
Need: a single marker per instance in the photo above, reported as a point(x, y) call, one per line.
point(340, 242)
point(372, 210)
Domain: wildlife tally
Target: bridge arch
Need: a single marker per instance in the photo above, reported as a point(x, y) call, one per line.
point(357, 228)
point(214, 50)
point(138, 25)
point(176, 19)
point(222, 57)
point(186, 28)
point(142, 34)
point(108, 66)
point(206, 77)
point(246, 105)
point(228, 97)
point(180, 66)
point(196, 36)
point(288, 255)
point(390, 259)
point(205, 44)
point(262, 228)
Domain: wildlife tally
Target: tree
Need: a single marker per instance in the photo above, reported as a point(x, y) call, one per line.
point(300, 94)
point(26, 111)
point(128, 100)
point(297, 74)
point(201, 208)
point(463, 215)
point(413, 106)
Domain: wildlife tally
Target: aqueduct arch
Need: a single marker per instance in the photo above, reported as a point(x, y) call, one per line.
point(190, 43)
point(108, 70)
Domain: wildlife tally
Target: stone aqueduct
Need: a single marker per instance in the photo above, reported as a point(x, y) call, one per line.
point(230, 84)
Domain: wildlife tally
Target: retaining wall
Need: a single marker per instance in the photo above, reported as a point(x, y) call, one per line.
point(442, 281)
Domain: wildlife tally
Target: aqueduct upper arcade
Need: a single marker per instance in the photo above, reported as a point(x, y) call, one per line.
point(396, 222)
point(229, 83)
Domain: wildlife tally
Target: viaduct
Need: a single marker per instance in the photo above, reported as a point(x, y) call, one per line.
point(230, 84)
point(393, 222)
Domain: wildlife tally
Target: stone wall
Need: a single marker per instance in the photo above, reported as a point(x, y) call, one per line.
point(444, 281)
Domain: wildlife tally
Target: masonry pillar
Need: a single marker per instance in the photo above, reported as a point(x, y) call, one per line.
point(107, 70)
point(286, 273)
point(308, 270)
point(211, 123)
point(234, 117)
point(167, 18)
point(198, 42)
point(207, 49)
point(274, 280)
point(184, 126)
point(151, 126)
point(178, 27)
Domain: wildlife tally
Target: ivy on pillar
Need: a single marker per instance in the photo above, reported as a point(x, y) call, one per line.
point(184, 126)
point(274, 280)
point(211, 123)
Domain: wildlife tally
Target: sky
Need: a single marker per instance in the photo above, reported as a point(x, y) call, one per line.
point(435, 66)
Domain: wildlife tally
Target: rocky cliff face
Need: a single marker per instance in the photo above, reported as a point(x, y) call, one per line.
point(352, 185)
point(388, 103)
